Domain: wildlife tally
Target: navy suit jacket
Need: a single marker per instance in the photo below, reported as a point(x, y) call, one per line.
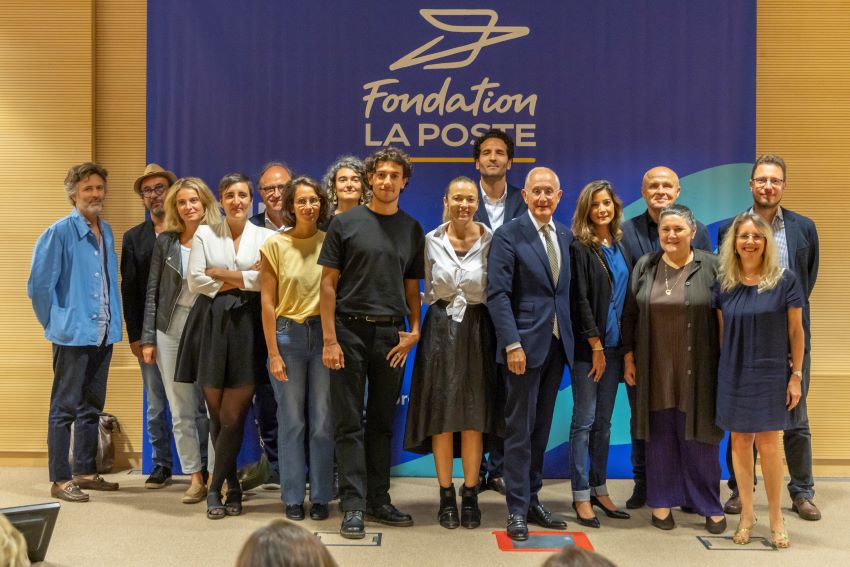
point(514, 206)
point(521, 295)
point(259, 219)
point(638, 239)
point(801, 236)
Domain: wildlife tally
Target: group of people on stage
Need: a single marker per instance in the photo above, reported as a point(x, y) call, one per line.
point(309, 310)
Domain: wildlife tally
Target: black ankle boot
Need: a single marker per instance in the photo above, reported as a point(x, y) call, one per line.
point(448, 508)
point(470, 515)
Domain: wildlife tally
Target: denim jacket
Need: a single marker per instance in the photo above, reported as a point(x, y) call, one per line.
point(65, 282)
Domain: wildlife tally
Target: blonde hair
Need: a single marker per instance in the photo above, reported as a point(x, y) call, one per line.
point(729, 269)
point(459, 179)
point(13, 546)
point(582, 225)
point(173, 222)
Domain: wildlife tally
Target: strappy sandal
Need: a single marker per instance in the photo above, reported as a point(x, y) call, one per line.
point(742, 534)
point(233, 503)
point(779, 538)
point(215, 509)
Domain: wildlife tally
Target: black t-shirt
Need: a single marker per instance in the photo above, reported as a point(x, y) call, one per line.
point(374, 254)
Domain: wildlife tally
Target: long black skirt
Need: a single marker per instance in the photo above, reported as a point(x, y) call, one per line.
point(455, 386)
point(222, 344)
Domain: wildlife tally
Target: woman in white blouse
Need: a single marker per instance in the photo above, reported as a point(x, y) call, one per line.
point(454, 374)
point(222, 345)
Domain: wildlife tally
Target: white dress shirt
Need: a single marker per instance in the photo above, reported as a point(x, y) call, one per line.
point(459, 281)
point(553, 235)
point(212, 247)
point(495, 208)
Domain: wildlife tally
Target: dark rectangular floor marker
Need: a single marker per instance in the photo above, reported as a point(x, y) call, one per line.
point(725, 543)
point(333, 539)
point(542, 541)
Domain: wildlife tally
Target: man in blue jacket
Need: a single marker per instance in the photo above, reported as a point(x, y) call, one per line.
point(73, 286)
point(528, 296)
point(797, 242)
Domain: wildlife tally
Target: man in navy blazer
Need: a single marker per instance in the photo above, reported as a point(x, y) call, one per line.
point(499, 202)
point(270, 184)
point(660, 188)
point(797, 242)
point(528, 296)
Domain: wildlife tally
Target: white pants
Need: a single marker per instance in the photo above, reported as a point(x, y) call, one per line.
point(188, 410)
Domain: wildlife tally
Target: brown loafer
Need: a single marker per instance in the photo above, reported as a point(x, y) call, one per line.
point(71, 493)
point(96, 483)
point(806, 509)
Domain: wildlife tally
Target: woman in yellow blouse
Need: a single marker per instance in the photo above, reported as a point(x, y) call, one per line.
point(289, 281)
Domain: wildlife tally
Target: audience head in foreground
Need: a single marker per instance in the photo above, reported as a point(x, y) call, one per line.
point(572, 556)
point(284, 544)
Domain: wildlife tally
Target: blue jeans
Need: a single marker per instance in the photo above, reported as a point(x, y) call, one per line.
point(307, 387)
point(590, 430)
point(159, 429)
point(77, 397)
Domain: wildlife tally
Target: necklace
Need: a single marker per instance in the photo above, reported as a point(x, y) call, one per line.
point(752, 278)
point(668, 289)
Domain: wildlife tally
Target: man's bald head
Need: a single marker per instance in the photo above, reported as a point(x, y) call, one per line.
point(660, 188)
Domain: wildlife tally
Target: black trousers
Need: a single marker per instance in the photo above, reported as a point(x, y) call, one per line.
point(493, 460)
point(363, 449)
point(528, 420)
point(265, 416)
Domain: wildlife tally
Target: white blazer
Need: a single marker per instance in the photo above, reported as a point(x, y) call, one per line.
point(212, 247)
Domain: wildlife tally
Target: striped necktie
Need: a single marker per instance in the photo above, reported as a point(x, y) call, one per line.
point(555, 267)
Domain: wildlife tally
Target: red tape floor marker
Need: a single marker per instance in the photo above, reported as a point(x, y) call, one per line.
point(542, 541)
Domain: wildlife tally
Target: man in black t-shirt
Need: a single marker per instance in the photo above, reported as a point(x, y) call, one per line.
point(373, 258)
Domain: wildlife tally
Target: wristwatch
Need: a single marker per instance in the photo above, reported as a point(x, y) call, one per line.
point(798, 373)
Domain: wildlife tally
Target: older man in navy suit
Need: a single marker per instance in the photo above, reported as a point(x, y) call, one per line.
point(797, 242)
point(528, 295)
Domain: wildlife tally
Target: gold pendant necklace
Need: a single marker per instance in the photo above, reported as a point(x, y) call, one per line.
point(668, 289)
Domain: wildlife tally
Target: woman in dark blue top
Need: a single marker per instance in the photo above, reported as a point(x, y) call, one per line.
point(760, 308)
point(600, 277)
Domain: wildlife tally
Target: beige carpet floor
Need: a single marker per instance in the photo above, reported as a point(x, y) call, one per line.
point(139, 527)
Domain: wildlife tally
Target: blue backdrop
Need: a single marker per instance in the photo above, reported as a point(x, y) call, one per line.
point(593, 89)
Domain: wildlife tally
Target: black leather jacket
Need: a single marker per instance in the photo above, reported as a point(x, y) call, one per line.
point(164, 283)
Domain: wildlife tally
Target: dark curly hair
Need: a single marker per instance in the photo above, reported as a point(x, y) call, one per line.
point(493, 133)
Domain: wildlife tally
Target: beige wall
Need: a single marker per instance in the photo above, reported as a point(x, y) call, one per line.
point(803, 114)
point(72, 90)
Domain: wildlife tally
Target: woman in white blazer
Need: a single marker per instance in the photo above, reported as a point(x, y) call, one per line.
point(222, 345)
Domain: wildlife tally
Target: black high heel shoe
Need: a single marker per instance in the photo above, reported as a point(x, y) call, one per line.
point(588, 522)
point(233, 503)
point(618, 514)
point(215, 509)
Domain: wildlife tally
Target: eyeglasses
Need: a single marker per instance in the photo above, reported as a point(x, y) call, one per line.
point(754, 237)
point(269, 189)
point(763, 181)
point(304, 203)
point(157, 189)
